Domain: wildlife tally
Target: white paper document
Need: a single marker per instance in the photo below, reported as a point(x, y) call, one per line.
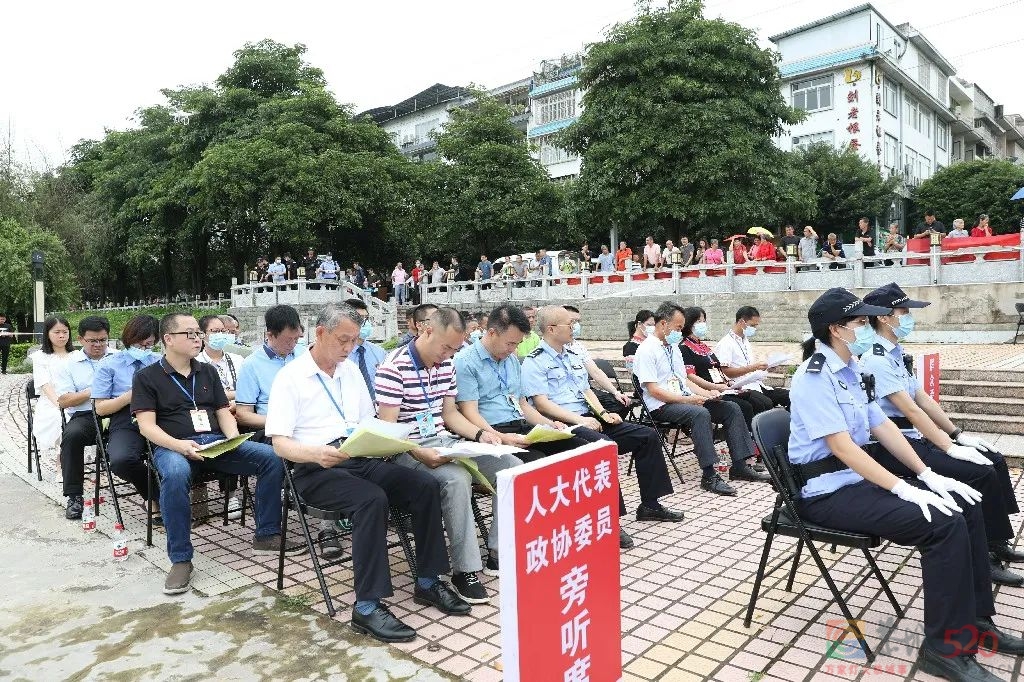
point(752, 378)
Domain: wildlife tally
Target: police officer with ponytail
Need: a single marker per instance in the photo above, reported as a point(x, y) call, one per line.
point(834, 415)
point(937, 441)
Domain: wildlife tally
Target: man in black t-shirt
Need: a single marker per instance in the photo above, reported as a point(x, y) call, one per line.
point(929, 226)
point(790, 239)
point(180, 405)
point(6, 339)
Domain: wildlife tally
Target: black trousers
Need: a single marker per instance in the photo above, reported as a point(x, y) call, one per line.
point(5, 354)
point(993, 482)
point(762, 401)
point(125, 448)
point(79, 433)
point(954, 556)
point(746, 406)
point(645, 444)
point(363, 488)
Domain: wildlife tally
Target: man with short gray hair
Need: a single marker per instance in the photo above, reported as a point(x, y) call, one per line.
point(317, 401)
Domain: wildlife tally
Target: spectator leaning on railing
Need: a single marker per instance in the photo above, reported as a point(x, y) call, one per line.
point(958, 231)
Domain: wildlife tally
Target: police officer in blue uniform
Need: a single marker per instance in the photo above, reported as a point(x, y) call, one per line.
point(557, 382)
point(833, 417)
point(936, 440)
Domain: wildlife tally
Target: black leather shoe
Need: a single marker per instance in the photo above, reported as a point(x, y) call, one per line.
point(382, 625)
point(74, 509)
point(955, 668)
point(625, 542)
point(744, 472)
point(1004, 552)
point(758, 467)
point(1004, 576)
point(644, 513)
point(716, 485)
point(442, 597)
point(1000, 642)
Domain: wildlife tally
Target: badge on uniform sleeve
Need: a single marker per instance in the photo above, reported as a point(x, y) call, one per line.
point(842, 385)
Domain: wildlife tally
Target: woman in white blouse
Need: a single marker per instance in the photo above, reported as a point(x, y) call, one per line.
point(47, 423)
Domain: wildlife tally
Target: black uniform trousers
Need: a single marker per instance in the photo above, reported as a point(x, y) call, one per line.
point(79, 433)
point(125, 449)
point(954, 556)
point(993, 482)
point(364, 488)
point(762, 401)
point(649, 459)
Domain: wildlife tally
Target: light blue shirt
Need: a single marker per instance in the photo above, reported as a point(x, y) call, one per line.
point(277, 270)
point(76, 375)
point(257, 376)
point(562, 377)
point(823, 403)
point(495, 386)
point(115, 373)
point(606, 262)
point(374, 356)
point(885, 362)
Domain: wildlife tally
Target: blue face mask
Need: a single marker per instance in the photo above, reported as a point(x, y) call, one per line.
point(906, 326)
point(649, 330)
point(301, 347)
point(863, 340)
point(366, 330)
point(577, 329)
point(137, 353)
point(674, 337)
point(749, 331)
point(217, 340)
point(700, 330)
point(475, 335)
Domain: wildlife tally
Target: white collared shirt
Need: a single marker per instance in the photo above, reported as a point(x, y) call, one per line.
point(299, 408)
point(735, 351)
point(659, 363)
point(227, 367)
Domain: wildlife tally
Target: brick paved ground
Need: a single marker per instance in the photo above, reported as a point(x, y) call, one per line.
point(684, 589)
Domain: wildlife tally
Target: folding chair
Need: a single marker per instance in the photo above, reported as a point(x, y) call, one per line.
point(609, 371)
point(644, 418)
point(31, 446)
point(200, 481)
point(102, 462)
point(478, 515)
point(771, 432)
point(399, 520)
point(1020, 320)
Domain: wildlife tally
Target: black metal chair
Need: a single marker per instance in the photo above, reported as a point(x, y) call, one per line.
point(645, 418)
point(31, 446)
point(771, 432)
point(116, 487)
point(1020, 320)
point(399, 520)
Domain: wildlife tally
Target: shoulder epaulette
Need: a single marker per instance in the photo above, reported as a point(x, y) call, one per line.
point(878, 349)
point(570, 351)
point(535, 353)
point(816, 363)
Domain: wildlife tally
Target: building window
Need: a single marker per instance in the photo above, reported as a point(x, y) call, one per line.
point(557, 107)
point(924, 73)
point(549, 153)
point(892, 154)
point(916, 116)
point(941, 133)
point(890, 97)
point(958, 154)
point(918, 167)
point(804, 141)
point(424, 129)
point(813, 94)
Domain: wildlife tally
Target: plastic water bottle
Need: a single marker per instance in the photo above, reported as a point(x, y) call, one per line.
point(120, 543)
point(88, 517)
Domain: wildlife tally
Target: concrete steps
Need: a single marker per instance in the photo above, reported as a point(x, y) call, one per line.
point(977, 405)
point(981, 389)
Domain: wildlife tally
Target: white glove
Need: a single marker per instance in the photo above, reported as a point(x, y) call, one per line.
point(943, 486)
point(966, 454)
point(922, 498)
point(979, 444)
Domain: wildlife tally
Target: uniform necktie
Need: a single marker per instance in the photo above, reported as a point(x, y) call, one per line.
point(361, 352)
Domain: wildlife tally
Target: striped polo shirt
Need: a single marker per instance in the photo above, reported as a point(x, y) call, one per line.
point(403, 382)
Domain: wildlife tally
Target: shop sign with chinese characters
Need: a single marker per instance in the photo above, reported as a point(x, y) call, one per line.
point(559, 567)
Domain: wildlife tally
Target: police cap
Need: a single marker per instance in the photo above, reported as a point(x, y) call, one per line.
point(837, 303)
point(891, 296)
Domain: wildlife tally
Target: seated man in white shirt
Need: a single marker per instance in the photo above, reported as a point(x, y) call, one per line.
point(737, 358)
point(319, 399)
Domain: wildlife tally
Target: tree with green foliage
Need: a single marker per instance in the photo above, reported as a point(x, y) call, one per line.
point(846, 187)
point(966, 190)
point(17, 242)
point(679, 113)
point(490, 196)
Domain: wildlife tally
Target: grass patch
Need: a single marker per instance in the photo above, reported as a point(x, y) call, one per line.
point(294, 602)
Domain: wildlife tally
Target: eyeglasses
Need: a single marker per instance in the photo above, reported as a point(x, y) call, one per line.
point(96, 342)
point(191, 334)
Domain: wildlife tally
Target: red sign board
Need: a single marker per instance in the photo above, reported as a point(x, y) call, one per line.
point(559, 567)
point(928, 374)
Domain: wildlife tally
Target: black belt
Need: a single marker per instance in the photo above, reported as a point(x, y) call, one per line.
point(902, 422)
point(805, 472)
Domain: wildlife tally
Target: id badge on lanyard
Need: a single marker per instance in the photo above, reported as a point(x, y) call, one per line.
point(716, 376)
point(673, 386)
point(200, 420)
point(425, 424)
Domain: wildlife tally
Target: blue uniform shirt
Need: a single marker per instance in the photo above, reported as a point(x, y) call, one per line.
point(885, 361)
point(562, 377)
point(823, 403)
point(495, 386)
point(114, 375)
point(77, 375)
point(257, 376)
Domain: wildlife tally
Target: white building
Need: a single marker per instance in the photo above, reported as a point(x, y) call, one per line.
point(880, 88)
point(556, 101)
point(981, 129)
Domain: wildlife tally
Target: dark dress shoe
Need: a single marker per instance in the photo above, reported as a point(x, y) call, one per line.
point(1004, 552)
point(1004, 576)
point(645, 513)
point(758, 467)
point(715, 484)
point(441, 597)
point(745, 472)
point(955, 668)
point(998, 642)
point(74, 509)
point(381, 624)
point(625, 542)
